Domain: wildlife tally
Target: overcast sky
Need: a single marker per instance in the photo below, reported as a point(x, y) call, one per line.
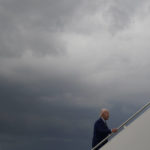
point(61, 61)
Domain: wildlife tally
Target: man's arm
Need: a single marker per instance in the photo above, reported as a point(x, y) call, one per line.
point(100, 128)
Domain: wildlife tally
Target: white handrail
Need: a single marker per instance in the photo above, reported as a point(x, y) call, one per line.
point(139, 111)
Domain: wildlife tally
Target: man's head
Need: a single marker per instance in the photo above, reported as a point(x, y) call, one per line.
point(104, 114)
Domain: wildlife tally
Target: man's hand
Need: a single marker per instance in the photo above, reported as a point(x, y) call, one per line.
point(114, 130)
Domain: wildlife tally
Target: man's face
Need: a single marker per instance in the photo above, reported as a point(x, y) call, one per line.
point(106, 115)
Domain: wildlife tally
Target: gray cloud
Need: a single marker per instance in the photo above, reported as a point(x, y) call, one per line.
point(33, 26)
point(121, 13)
point(106, 16)
point(37, 27)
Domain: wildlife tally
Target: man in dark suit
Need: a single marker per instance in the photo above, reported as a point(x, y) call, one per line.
point(101, 130)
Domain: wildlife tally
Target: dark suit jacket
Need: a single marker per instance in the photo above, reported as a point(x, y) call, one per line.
point(101, 131)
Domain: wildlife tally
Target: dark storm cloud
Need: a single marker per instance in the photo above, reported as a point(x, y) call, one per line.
point(28, 119)
point(49, 102)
